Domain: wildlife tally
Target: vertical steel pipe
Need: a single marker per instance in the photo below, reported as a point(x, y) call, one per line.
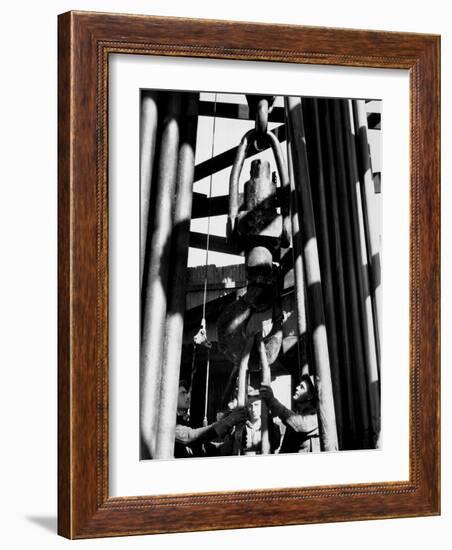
point(362, 274)
point(148, 138)
point(314, 144)
point(353, 308)
point(326, 412)
point(370, 212)
point(156, 273)
point(297, 252)
point(266, 379)
point(178, 264)
point(344, 345)
point(242, 387)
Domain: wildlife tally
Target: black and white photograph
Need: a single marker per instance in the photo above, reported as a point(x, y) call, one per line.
point(226, 241)
point(260, 268)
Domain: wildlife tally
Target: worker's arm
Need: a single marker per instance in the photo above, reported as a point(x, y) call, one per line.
point(187, 435)
point(299, 423)
point(276, 407)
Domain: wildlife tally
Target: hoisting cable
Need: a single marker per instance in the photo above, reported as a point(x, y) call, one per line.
point(212, 153)
point(203, 322)
point(200, 338)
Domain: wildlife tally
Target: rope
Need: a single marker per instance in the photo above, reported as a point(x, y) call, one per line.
point(192, 376)
point(204, 300)
point(212, 153)
point(193, 367)
point(201, 337)
point(205, 423)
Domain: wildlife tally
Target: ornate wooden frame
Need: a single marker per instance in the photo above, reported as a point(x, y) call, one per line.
point(85, 42)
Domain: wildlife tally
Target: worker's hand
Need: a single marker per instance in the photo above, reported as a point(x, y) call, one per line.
point(266, 393)
point(236, 416)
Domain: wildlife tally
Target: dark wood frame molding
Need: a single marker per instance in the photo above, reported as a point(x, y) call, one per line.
point(85, 42)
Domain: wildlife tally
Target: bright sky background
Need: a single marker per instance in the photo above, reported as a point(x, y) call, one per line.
point(228, 133)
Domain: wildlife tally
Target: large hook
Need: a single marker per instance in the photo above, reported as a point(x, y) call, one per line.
point(237, 166)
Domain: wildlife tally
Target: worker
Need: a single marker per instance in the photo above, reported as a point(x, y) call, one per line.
point(302, 431)
point(189, 441)
point(252, 435)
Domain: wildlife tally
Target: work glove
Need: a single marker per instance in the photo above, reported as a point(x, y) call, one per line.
point(276, 408)
point(266, 393)
point(236, 416)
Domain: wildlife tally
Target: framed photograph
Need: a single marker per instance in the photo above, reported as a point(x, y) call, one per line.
point(249, 260)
